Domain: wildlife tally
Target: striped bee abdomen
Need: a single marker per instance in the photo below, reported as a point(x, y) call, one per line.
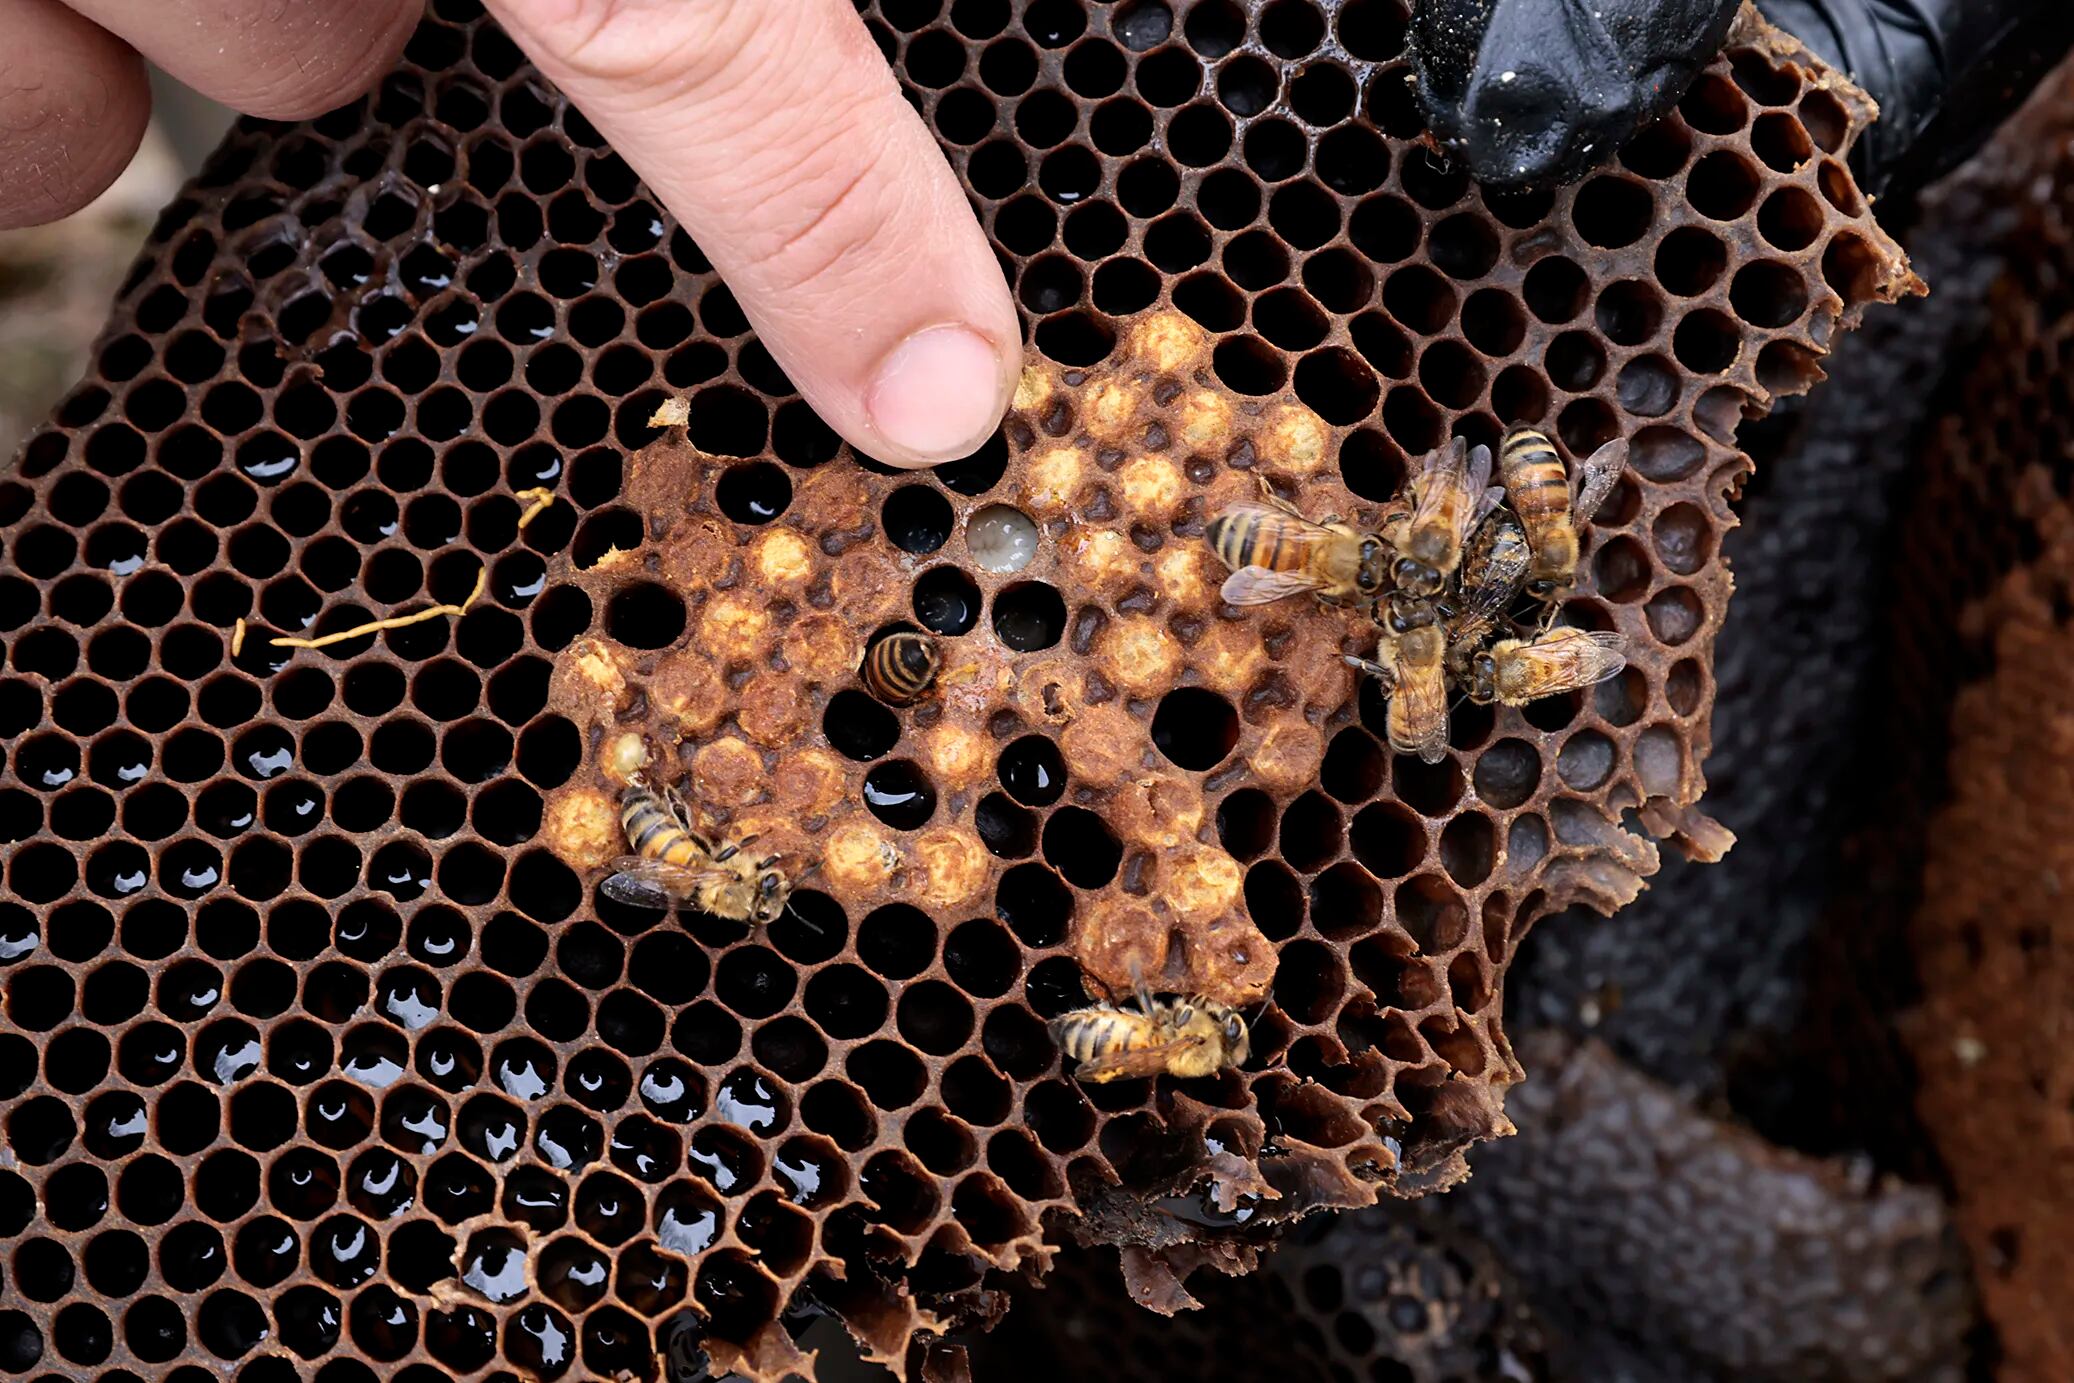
point(1533, 472)
point(902, 666)
point(1538, 486)
point(1089, 1033)
point(1250, 538)
point(653, 831)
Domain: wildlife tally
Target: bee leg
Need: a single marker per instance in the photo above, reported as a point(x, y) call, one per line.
point(679, 808)
point(1139, 991)
point(1267, 492)
point(1089, 978)
point(1386, 676)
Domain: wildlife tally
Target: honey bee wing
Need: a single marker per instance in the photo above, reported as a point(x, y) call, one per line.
point(1259, 586)
point(1595, 477)
point(1448, 493)
point(1497, 584)
point(1136, 1063)
point(1566, 660)
point(1478, 468)
point(1442, 473)
point(1487, 503)
point(646, 883)
point(1428, 718)
point(1608, 656)
point(1281, 515)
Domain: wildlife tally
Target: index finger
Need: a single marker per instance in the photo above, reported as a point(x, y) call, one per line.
point(777, 136)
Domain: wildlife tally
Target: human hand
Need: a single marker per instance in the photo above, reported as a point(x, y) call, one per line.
point(1538, 92)
point(771, 129)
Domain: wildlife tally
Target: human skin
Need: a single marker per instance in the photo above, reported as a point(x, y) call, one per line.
point(771, 129)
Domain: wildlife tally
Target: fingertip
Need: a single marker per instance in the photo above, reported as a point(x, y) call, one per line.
point(938, 395)
point(335, 78)
point(292, 62)
point(72, 113)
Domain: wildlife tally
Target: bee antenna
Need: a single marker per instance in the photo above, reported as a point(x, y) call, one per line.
point(811, 925)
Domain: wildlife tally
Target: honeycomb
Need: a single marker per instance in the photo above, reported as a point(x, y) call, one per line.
point(1979, 644)
point(1391, 1294)
point(1623, 1248)
point(1997, 854)
point(320, 1048)
point(1656, 1242)
point(1797, 763)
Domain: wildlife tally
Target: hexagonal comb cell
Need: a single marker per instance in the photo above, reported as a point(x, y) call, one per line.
point(311, 983)
point(1983, 597)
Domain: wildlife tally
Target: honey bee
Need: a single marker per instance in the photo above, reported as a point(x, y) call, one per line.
point(673, 864)
point(1548, 505)
point(1513, 672)
point(1273, 552)
point(1413, 670)
point(1449, 494)
point(1184, 1038)
point(1493, 571)
point(900, 668)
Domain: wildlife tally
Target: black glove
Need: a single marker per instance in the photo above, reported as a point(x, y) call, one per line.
point(1538, 92)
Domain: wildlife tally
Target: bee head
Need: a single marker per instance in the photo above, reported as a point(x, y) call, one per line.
point(1407, 614)
point(1368, 578)
point(771, 893)
point(1483, 678)
point(1429, 544)
point(1238, 1043)
point(1541, 587)
point(1415, 577)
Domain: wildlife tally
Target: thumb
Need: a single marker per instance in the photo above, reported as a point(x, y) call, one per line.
point(774, 132)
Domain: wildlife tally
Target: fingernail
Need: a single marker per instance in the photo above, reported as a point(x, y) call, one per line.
point(938, 394)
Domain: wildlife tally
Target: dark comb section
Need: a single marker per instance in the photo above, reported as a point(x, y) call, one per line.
point(325, 1059)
